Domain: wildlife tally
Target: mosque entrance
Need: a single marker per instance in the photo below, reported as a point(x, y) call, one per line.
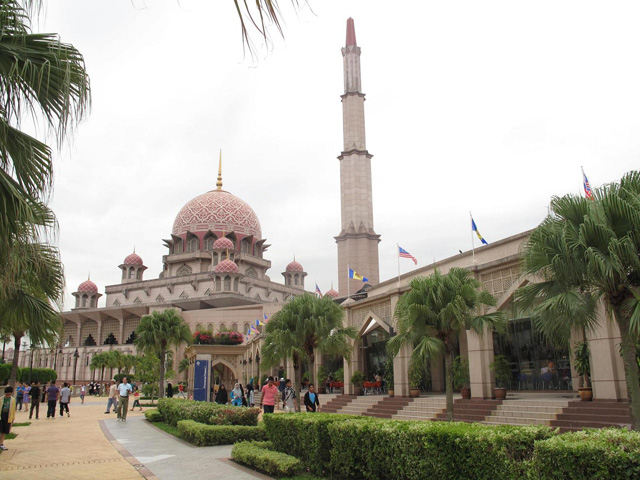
point(373, 347)
point(222, 374)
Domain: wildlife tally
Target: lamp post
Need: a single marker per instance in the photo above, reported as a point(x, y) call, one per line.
point(55, 360)
point(31, 362)
point(75, 365)
point(258, 362)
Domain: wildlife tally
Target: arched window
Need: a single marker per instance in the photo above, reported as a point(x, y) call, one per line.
point(132, 272)
point(208, 243)
point(235, 284)
point(177, 247)
point(93, 302)
point(245, 328)
point(223, 328)
point(245, 247)
point(295, 279)
point(124, 273)
point(234, 327)
point(139, 274)
point(198, 327)
point(210, 327)
point(227, 283)
point(84, 301)
point(218, 284)
point(192, 245)
point(215, 259)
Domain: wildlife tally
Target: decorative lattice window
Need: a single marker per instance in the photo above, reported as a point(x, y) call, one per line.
point(130, 325)
point(159, 298)
point(184, 295)
point(70, 333)
point(116, 303)
point(111, 325)
point(499, 281)
point(137, 301)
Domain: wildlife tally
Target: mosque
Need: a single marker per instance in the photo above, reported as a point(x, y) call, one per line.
point(215, 274)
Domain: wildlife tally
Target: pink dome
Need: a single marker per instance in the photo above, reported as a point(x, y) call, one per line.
point(133, 259)
point(332, 293)
point(223, 243)
point(294, 267)
point(217, 210)
point(87, 287)
point(226, 266)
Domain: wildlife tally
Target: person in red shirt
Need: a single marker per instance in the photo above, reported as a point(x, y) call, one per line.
point(269, 396)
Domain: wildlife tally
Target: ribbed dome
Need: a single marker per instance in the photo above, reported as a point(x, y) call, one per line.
point(332, 293)
point(294, 267)
point(217, 211)
point(226, 266)
point(87, 287)
point(223, 243)
point(133, 259)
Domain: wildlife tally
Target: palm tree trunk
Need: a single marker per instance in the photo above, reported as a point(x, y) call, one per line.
point(632, 375)
point(16, 356)
point(448, 380)
point(161, 375)
point(312, 370)
point(297, 379)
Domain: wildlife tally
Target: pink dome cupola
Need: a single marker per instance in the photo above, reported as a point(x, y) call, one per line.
point(294, 275)
point(331, 293)
point(132, 268)
point(87, 295)
point(226, 266)
point(226, 277)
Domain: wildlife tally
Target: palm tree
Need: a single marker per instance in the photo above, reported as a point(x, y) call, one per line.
point(306, 324)
point(586, 252)
point(99, 361)
point(434, 313)
point(159, 332)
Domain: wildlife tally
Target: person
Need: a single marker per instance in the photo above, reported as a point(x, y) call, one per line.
point(269, 395)
point(7, 415)
point(222, 397)
point(169, 390)
point(53, 393)
point(311, 400)
point(289, 397)
point(65, 397)
point(124, 389)
point(327, 383)
point(19, 396)
point(83, 390)
point(113, 397)
point(180, 390)
point(236, 396)
point(35, 400)
point(250, 395)
point(244, 398)
point(136, 398)
point(26, 397)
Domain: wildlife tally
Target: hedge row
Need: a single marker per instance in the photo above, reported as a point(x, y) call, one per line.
point(256, 456)
point(610, 454)
point(175, 409)
point(206, 435)
point(153, 415)
point(42, 375)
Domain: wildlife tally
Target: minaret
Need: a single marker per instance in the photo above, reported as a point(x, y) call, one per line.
point(357, 241)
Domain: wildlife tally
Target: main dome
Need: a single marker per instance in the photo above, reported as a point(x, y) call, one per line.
point(217, 210)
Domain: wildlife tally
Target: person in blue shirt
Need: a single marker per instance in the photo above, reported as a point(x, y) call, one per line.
point(311, 400)
point(124, 389)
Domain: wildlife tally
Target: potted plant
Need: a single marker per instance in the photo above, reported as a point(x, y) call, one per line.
point(461, 376)
point(415, 378)
point(388, 377)
point(583, 367)
point(338, 376)
point(502, 369)
point(320, 379)
point(357, 379)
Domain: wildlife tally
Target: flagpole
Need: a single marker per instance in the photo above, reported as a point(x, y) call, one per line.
point(398, 254)
point(473, 244)
point(348, 281)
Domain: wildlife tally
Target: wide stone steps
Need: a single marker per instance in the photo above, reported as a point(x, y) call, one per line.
point(422, 408)
point(360, 405)
point(388, 407)
point(597, 414)
point(336, 403)
point(526, 412)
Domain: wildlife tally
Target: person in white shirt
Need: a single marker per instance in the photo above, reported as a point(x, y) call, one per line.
point(65, 397)
point(124, 389)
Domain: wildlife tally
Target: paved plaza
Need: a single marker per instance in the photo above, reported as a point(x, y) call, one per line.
point(90, 445)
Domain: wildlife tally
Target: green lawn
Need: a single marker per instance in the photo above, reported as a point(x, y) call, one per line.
point(167, 428)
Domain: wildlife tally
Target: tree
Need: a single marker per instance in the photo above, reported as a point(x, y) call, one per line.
point(585, 252)
point(306, 324)
point(434, 313)
point(159, 332)
point(99, 362)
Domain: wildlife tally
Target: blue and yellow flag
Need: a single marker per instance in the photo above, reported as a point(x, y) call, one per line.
point(474, 228)
point(356, 276)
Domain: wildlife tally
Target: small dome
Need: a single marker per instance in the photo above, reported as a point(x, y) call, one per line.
point(223, 243)
point(226, 266)
point(133, 259)
point(87, 287)
point(331, 293)
point(294, 267)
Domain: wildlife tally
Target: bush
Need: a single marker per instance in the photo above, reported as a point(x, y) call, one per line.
point(175, 409)
point(610, 454)
point(204, 435)
point(43, 375)
point(270, 462)
point(5, 372)
point(305, 436)
point(431, 449)
point(153, 415)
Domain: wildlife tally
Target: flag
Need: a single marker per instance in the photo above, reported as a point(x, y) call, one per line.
point(587, 188)
point(255, 330)
point(404, 254)
point(318, 290)
point(356, 276)
point(475, 229)
point(249, 332)
point(266, 319)
point(259, 322)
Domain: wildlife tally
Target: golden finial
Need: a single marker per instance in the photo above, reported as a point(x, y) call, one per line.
point(219, 182)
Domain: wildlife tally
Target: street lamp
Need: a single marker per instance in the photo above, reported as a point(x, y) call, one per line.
point(75, 364)
point(55, 360)
point(258, 362)
point(31, 363)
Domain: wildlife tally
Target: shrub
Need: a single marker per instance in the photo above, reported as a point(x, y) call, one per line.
point(270, 462)
point(610, 454)
point(5, 372)
point(431, 449)
point(175, 409)
point(153, 415)
point(305, 436)
point(204, 435)
point(43, 375)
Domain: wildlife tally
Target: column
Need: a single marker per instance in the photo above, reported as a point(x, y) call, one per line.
point(607, 369)
point(480, 350)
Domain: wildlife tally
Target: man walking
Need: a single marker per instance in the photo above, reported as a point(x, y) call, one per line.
point(124, 389)
point(35, 400)
point(269, 396)
point(65, 397)
point(113, 397)
point(53, 393)
point(289, 398)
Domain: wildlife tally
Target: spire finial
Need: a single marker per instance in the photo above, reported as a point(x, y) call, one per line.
point(134, 249)
point(89, 276)
point(351, 32)
point(219, 182)
point(294, 257)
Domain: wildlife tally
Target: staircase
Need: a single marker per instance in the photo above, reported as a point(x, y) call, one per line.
point(337, 403)
point(471, 410)
point(597, 414)
point(421, 408)
point(387, 407)
point(525, 412)
point(361, 404)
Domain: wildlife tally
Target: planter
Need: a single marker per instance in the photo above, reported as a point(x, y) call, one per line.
point(414, 392)
point(466, 393)
point(500, 393)
point(586, 394)
point(359, 391)
point(391, 392)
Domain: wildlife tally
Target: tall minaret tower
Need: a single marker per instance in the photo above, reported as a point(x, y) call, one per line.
point(357, 241)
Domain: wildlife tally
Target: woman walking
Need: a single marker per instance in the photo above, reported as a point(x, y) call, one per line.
point(222, 397)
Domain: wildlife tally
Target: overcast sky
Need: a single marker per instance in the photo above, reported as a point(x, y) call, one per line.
point(486, 106)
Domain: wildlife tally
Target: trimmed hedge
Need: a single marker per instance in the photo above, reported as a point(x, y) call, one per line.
point(175, 409)
point(306, 436)
point(43, 375)
point(153, 415)
point(432, 449)
point(609, 454)
point(255, 456)
point(205, 435)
